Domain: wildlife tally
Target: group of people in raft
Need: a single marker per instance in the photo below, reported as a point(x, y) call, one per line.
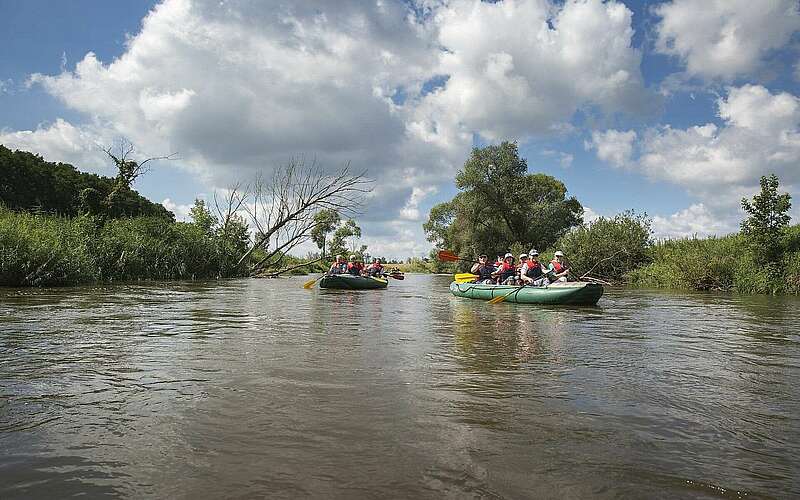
point(356, 267)
point(529, 271)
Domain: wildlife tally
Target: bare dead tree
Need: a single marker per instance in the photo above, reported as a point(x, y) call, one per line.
point(281, 209)
point(128, 170)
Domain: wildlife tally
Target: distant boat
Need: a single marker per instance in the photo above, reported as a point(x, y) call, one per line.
point(350, 282)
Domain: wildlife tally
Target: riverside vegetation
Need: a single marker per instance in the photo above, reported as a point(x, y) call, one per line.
point(500, 207)
point(59, 226)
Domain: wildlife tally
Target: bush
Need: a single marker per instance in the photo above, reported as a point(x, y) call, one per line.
point(608, 247)
point(42, 250)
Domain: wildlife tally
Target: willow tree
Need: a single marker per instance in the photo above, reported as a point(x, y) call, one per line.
point(500, 205)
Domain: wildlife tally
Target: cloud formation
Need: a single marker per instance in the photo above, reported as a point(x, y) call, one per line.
point(724, 39)
point(398, 89)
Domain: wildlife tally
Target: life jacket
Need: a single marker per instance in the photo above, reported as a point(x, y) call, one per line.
point(534, 270)
point(506, 271)
point(338, 268)
point(355, 268)
point(557, 266)
point(375, 270)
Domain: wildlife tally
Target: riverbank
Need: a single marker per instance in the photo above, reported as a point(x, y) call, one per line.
point(47, 250)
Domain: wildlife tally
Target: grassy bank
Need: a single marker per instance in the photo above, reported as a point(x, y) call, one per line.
point(728, 263)
point(47, 250)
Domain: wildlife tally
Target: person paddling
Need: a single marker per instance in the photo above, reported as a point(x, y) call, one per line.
point(376, 268)
point(507, 271)
point(338, 267)
point(355, 267)
point(531, 272)
point(483, 269)
point(559, 266)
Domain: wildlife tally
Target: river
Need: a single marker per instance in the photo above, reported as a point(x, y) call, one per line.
point(260, 388)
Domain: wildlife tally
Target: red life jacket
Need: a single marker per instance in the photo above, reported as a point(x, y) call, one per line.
point(354, 268)
point(557, 266)
point(534, 269)
point(506, 270)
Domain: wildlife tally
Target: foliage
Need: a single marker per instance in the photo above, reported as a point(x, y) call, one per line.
point(46, 250)
point(608, 247)
point(27, 182)
point(202, 217)
point(500, 204)
point(326, 220)
point(768, 218)
point(339, 240)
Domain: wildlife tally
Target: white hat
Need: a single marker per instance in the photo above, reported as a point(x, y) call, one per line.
point(508, 255)
point(533, 252)
point(558, 253)
point(352, 257)
point(523, 256)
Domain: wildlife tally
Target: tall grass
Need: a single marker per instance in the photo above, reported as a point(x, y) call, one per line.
point(729, 264)
point(44, 250)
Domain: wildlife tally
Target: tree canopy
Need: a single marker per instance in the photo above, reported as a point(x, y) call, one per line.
point(768, 217)
point(27, 182)
point(501, 205)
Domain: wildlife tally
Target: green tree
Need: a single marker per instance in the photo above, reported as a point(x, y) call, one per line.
point(608, 248)
point(768, 218)
point(325, 221)
point(500, 204)
point(339, 239)
point(202, 217)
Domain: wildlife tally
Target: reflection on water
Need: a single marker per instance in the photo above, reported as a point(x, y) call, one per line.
point(258, 387)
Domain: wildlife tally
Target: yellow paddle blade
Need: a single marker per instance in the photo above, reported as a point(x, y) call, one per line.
point(308, 284)
point(499, 299)
point(465, 276)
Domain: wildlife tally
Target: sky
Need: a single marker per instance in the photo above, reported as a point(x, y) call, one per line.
point(672, 108)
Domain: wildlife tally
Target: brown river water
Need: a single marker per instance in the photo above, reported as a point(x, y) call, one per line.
point(259, 388)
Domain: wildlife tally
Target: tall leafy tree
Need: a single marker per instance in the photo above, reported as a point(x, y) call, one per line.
point(500, 205)
point(768, 217)
point(325, 221)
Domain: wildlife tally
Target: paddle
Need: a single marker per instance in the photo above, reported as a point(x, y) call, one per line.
point(448, 256)
point(465, 277)
point(308, 284)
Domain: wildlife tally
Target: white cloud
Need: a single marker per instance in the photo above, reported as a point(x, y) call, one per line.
point(520, 68)
point(725, 38)
point(697, 220)
point(589, 215)
point(564, 159)
point(62, 142)
point(239, 87)
point(613, 146)
point(760, 135)
point(181, 211)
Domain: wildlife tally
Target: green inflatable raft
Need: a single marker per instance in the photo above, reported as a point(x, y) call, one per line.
point(573, 293)
point(350, 282)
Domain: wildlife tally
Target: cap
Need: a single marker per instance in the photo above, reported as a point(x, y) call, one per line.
point(558, 253)
point(352, 257)
point(523, 256)
point(508, 255)
point(533, 252)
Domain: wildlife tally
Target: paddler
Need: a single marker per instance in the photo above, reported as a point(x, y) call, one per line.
point(506, 273)
point(559, 266)
point(376, 268)
point(483, 269)
point(531, 272)
point(354, 266)
point(338, 267)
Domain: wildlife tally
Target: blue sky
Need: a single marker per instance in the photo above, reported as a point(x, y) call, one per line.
point(672, 108)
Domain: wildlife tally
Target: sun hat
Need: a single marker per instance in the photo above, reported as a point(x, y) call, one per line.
point(533, 252)
point(508, 255)
point(523, 256)
point(558, 253)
